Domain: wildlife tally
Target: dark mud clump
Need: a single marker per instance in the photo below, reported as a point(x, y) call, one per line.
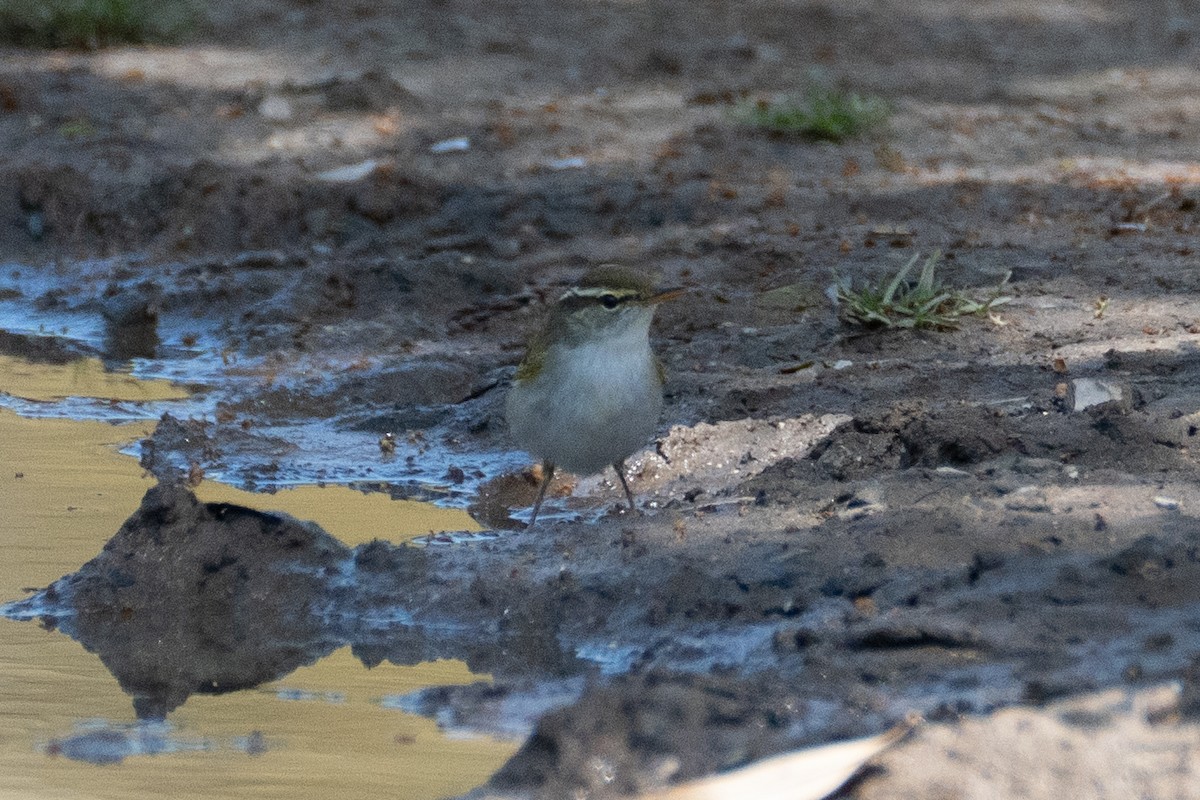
point(643, 732)
point(979, 439)
point(202, 597)
point(131, 325)
point(43, 349)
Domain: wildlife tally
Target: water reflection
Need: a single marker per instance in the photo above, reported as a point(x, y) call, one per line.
point(235, 599)
point(320, 732)
point(351, 515)
point(191, 597)
point(84, 377)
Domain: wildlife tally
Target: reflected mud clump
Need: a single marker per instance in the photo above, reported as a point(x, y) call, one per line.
point(192, 597)
point(100, 742)
point(202, 597)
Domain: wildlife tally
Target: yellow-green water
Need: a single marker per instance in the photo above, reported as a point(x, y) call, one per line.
point(85, 377)
point(64, 490)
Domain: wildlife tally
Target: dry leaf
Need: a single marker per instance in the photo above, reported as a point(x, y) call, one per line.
point(891, 159)
point(803, 775)
point(793, 297)
point(385, 124)
point(195, 475)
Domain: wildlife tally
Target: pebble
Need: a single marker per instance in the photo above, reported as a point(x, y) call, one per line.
point(459, 144)
point(574, 162)
point(1167, 503)
point(1085, 393)
point(275, 108)
point(951, 472)
point(348, 173)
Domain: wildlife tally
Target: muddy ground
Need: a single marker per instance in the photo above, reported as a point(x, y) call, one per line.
point(840, 527)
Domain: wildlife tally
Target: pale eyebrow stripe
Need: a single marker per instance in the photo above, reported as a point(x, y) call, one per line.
point(596, 292)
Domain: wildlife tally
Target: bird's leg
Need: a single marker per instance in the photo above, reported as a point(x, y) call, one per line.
point(547, 475)
point(619, 466)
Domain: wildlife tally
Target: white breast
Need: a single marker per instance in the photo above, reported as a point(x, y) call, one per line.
point(592, 404)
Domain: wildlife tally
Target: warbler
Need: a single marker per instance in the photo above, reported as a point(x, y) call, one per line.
point(589, 391)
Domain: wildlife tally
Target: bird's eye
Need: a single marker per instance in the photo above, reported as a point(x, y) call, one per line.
point(609, 300)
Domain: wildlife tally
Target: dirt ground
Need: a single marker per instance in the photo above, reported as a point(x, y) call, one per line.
point(840, 527)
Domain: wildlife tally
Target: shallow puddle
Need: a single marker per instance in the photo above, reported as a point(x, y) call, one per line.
point(327, 729)
point(85, 377)
point(295, 436)
point(351, 515)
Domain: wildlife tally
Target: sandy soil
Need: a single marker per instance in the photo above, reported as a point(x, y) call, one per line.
point(840, 527)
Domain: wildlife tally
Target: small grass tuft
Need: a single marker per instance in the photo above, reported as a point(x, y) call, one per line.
point(822, 113)
point(92, 23)
point(927, 303)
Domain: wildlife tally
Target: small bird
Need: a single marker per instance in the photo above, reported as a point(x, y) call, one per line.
point(589, 392)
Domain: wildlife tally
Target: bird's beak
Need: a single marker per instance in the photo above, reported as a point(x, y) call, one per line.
point(668, 294)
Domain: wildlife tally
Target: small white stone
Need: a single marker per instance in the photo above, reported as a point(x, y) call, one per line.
point(951, 472)
point(275, 108)
point(1088, 392)
point(459, 144)
point(349, 173)
point(1166, 503)
point(574, 162)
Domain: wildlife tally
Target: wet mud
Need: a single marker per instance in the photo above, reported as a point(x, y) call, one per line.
point(650, 652)
point(993, 527)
